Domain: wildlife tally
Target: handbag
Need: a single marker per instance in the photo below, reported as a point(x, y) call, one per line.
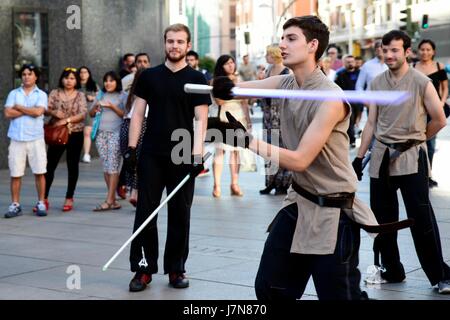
point(97, 118)
point(96, 125)
point(56, 135)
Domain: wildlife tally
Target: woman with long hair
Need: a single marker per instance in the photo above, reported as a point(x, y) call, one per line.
point(111, 103)
point(131, 177)
point(436, 72)
point(226, 66)
point(90, 88)
point(67, 106)
point(276, 178)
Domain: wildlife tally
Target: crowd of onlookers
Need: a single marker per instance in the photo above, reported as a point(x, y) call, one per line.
point(88, 112)
point(101, 113)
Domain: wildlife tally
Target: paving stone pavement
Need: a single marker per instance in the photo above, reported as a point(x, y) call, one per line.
point(227, 238)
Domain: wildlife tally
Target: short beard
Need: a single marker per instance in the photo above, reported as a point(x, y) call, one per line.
point(182, 57)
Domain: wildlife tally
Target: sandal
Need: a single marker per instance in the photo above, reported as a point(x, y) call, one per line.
point(101, 207)
point(115, 206)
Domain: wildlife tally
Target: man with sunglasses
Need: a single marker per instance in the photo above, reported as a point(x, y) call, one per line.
point(25, 107)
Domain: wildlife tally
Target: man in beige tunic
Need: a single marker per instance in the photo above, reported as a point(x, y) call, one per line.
point(316, 233)
point(399, 161)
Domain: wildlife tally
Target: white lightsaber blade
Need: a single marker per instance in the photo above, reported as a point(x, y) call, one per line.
point(154, 213)
point(381, 97)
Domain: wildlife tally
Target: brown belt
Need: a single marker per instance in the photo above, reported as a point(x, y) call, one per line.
point(402, 146)
point(345, 202)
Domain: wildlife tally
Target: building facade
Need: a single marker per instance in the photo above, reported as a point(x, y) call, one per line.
point(55, 34)
point(354, 24)
point(262, 21)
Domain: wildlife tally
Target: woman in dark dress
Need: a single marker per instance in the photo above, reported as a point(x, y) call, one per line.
point(435, 71)
point(276, 178)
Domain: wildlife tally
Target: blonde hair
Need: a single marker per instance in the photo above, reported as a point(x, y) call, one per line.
point(275, 52)
point(326, 59)
point(177, 27)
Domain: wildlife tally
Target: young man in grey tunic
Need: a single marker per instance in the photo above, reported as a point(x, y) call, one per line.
point(317, 231)
point(399, 161)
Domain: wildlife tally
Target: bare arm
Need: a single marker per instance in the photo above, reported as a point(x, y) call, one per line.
point(444, 91)
point(434, 109)
point(116, 109)
point(268, 83)
point(444, 87)
point(12, 113)
point(136, 121)
point(32, 112)
point(368, 132)
point(201, 123)
point(310, 145)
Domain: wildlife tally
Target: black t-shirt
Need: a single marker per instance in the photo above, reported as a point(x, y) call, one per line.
point(170, 108)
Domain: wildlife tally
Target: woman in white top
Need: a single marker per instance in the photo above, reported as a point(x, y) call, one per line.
point(226, 66)
point(325, 65)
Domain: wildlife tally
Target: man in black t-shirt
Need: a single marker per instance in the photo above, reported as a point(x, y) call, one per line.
point(161, 165)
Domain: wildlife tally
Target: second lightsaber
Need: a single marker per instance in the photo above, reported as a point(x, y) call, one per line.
point(154, 213)
point(381, 97)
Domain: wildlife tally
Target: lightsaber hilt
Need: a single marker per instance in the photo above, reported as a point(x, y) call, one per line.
point(154, 213)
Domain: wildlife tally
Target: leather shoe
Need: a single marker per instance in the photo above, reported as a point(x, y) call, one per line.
point(267, 190)
point(178, 280)
point(140, 281)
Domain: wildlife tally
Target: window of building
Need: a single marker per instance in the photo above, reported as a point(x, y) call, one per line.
point(232, 14)
point(233, 33)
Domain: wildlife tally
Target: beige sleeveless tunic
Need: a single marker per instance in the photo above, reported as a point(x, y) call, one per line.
point(399, 123)
point(329, 174)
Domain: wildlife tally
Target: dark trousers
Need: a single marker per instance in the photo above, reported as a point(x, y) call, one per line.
point(73, 152)
point(431, 146)
point(425, 232)
point(283, 275)
point(156, 173)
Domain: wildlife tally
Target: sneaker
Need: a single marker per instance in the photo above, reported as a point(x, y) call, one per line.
point(140, 281)
point(47, 205)
point(40, 209)
point(178, 280)
point(432, 183)
point(86, 158)
point(444, 286)
point(374, 275)
point(205, 172)
point(14, 210)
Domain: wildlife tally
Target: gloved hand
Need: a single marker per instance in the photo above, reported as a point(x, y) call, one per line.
point(197, 165)
point(357, 166)
point(130, 159)
point(222, 88)
point(241, 134)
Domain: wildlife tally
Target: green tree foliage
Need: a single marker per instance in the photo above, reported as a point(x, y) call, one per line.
point(207, 63)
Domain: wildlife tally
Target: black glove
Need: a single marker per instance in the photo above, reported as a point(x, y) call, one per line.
point(130, 159)
point(222, 88)
point(357, 166)
point(197, 165)
point(240, 133)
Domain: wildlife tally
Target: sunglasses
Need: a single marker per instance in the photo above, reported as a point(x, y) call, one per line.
point(29, 66)
point(70, 69)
